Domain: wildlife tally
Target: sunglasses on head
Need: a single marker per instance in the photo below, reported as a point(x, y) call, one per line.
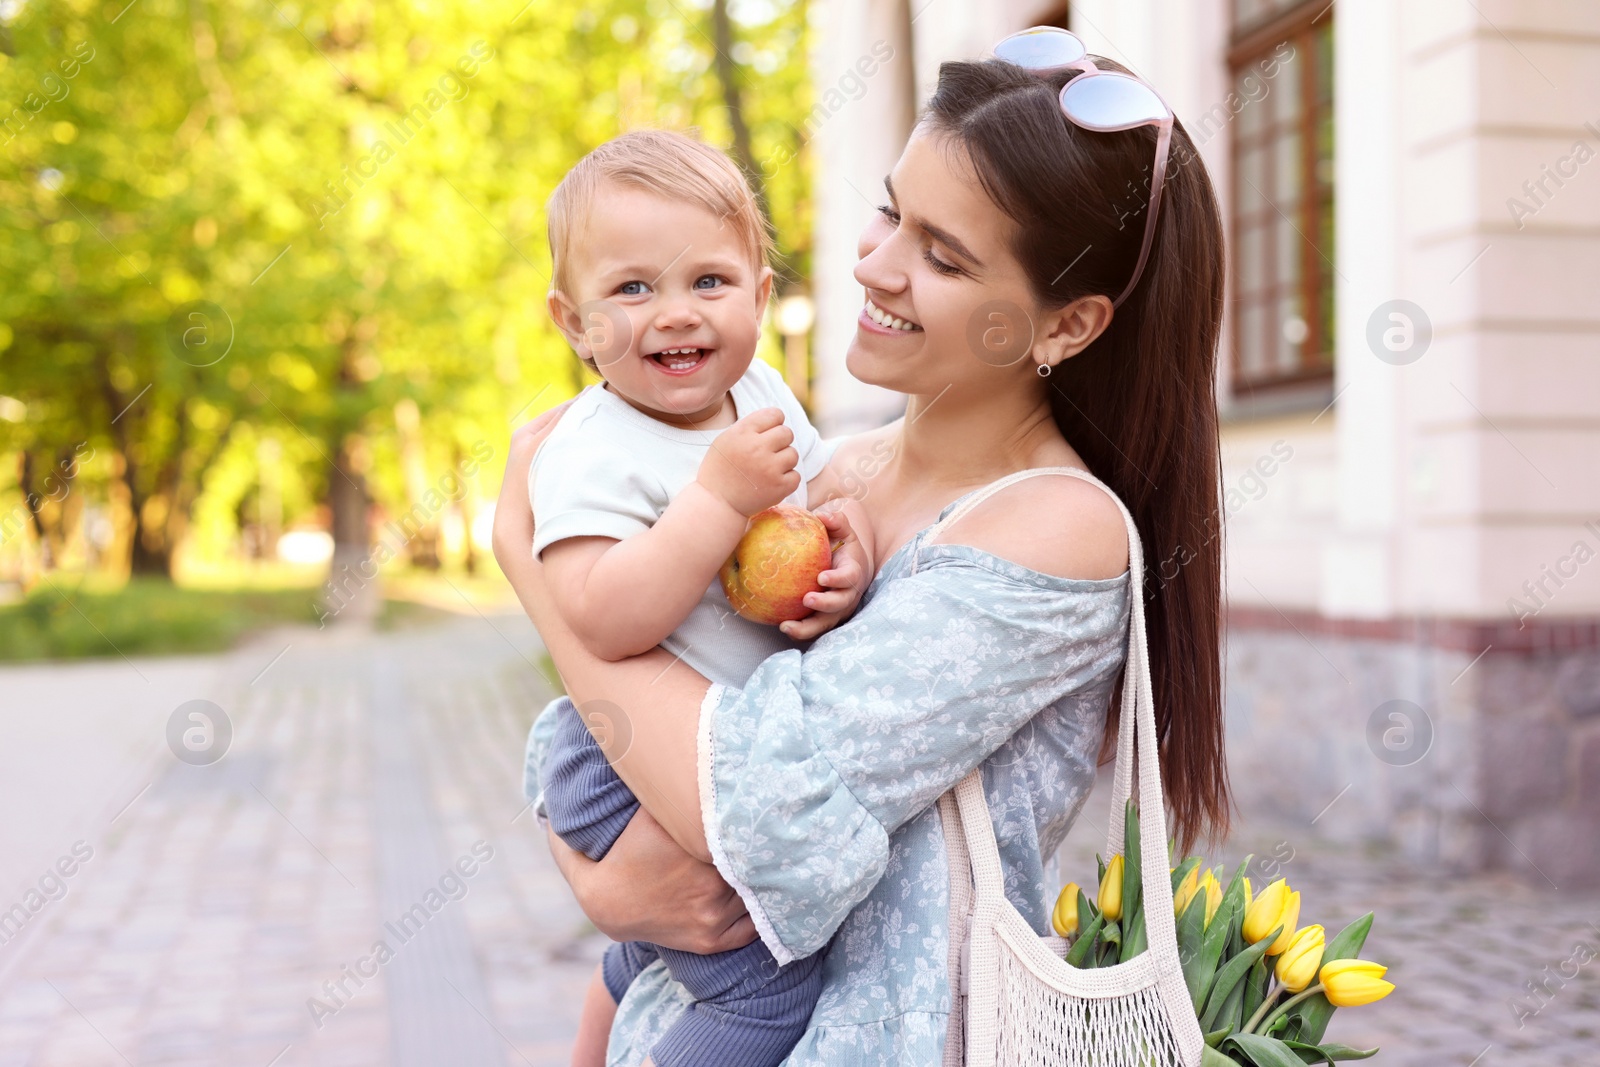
point(1103, 101)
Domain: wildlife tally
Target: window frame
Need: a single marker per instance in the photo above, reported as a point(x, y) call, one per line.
point(1297, 25)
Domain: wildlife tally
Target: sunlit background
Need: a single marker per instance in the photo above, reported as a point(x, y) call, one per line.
point(272, 282)
point(272, 271)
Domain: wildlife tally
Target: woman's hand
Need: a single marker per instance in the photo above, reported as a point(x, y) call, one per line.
point(513, 511)
point(647, 888)
point(660, 767)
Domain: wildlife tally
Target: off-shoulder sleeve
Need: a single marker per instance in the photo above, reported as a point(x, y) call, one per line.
point(807, 770)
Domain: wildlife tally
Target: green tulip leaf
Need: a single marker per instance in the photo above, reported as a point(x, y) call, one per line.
point(1255, 986)
point(1086, 939)
point(1236, 943)
point(1086, 911)
point(1137, 939)
point(1210, 1057)
point(1265, 1051)
point(1228, 979)
point(1199, 971)
point(1235, 890)
point(1312, 1015)
point(1111, 945)
point(1230, 1013)
point(1132, 882)
point(1346, 944)
point(1198, 965)
point(1214, 1038)
point(1332, 1051)
point(1230, 913)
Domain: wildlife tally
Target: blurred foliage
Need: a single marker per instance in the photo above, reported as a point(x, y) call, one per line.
point(143, 617)
point(226, 223)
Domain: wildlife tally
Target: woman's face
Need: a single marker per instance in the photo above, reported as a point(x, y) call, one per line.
point(937, 258)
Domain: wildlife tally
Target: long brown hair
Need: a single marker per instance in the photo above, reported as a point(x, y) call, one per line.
point(1139, 404)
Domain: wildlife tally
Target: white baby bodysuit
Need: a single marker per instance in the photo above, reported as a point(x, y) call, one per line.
point(609, 470)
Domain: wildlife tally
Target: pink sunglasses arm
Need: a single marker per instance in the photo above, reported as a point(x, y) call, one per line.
point(1163, 145)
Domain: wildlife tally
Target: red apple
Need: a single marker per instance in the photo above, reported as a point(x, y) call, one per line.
point(775, 564)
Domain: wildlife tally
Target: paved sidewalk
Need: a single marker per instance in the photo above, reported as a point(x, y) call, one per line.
point(228, 914)
point(231, 913)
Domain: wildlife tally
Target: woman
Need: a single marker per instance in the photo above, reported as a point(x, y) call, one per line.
point(996, 643)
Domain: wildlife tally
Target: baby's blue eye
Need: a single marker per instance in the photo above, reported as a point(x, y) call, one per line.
point(632, 288)
point(714, 280)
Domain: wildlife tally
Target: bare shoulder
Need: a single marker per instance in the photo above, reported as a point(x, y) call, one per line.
point(1052, 524)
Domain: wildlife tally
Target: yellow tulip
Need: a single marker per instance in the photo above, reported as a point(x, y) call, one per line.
point(1352, 983)
point(1298, 965)
point(1290, 916)
point(1213, 891)
point(1065, 917)
point(1247, 897)
point(1110, 898)
point(1266, 912)
point(1186, 891)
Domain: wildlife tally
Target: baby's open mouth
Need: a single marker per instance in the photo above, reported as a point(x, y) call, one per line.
point(679, 360)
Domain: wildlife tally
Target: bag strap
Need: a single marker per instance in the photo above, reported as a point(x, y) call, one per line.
point(960, 927)
point(1136, 731)
point(978, 496)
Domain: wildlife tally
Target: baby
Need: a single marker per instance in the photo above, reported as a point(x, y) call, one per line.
point(642, 491)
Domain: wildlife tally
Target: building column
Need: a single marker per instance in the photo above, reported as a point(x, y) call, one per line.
point(862, 69)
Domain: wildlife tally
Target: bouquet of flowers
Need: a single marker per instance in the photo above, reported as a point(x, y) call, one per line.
point(1241, 954)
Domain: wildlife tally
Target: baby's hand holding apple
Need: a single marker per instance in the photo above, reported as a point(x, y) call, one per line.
point(847, 579)
point(751, 464)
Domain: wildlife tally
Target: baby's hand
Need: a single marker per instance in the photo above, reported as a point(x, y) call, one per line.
point(847, 579)
point(751, 464)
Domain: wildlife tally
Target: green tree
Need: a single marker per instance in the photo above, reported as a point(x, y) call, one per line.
point(224, 222)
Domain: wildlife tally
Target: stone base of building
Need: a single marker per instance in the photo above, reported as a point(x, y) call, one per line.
point(1473, 745)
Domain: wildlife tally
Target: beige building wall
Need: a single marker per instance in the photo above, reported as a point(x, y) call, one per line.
point(1504, 411)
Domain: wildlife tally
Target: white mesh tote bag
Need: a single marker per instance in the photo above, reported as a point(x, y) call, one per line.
point(1016, 1002)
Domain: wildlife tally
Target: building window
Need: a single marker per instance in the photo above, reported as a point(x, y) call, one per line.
point(1283, 253)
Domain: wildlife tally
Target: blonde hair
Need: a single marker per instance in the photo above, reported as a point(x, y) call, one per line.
point(669, 164)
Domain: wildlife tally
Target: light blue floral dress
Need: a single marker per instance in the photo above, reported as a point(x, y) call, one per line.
point(819, 779)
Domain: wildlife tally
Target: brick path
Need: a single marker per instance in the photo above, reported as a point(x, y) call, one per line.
point(363, 769)
point(225, 896)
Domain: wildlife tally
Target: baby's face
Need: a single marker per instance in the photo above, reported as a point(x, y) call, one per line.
point(668, 305)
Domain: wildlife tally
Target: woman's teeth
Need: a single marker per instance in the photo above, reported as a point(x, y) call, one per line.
point(679, 358)
point(883, 318)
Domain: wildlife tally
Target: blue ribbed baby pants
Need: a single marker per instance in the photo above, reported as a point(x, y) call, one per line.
point(748, 1011)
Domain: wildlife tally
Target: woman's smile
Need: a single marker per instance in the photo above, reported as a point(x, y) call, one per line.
point(876, 320)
